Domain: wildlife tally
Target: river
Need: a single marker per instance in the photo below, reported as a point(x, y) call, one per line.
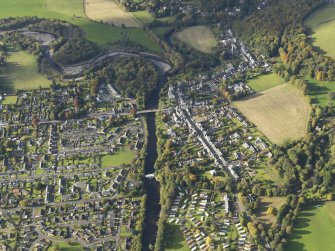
point(152, 187)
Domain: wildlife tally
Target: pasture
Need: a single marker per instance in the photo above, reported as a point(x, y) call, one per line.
point(264, 82)
point(199, 37)
point(21, 72)
point(73, 11)
point(314, 229)
point(280, 113)
point(322, 24)
point(109, 12)
point(319, 91)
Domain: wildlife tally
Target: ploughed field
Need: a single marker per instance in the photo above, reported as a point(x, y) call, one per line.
point(280, 113)
point(109, 12)
point(322, 24)
point(198, 37)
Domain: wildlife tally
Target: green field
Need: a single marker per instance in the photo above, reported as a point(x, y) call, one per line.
point(174, 239)
point(124, 157)
point(314, 229)
point(322, 24)
point(73, 12)
point(9, 100)
point(21, 72)
point(265, 82)
point(65, 246)
point(319, 91)
point(198, 37)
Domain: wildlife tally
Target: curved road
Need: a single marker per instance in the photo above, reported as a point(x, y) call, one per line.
point(76, 70)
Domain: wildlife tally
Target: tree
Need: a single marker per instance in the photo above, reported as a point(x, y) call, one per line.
point(23, 203)
point(252, 229)
point(208, 241)
point(34, 121)
point(330, 196)
point(270, 211)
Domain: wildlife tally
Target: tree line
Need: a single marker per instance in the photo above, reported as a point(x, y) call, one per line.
point(279, 30)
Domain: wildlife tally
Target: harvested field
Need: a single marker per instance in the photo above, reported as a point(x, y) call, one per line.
point(109, 12)
point(280, 113)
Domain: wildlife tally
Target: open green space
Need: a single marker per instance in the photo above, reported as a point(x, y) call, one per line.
point(198, 37)
point(73, 12)
point(65, 246)
point(9, 100)
point(174, 239)
point(314, 229)
point(264, 82)
point(322, 24)
point(319, 91)
point(265, 204)
point(21, 72)
point(124, 157)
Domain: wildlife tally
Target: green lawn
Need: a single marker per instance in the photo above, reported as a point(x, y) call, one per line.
point(314, 229)
point(65, 246)
point(174, 239)
point(125, 232)
point(322, 24)
point(124, 157)
point(21, 72)
point(73, 12)
point(319, 91)
point(265, 82)
point(9, 100)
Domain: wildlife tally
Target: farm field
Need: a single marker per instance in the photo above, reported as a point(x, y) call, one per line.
point(265, 82)
point(322, 24)
point(198, 37)
point(280, 113)
point(174, 239)
point(109, 12)
point(22, 73)
point(73, 11)
point(120, 158)
point(314, 229)
point(319, 91)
